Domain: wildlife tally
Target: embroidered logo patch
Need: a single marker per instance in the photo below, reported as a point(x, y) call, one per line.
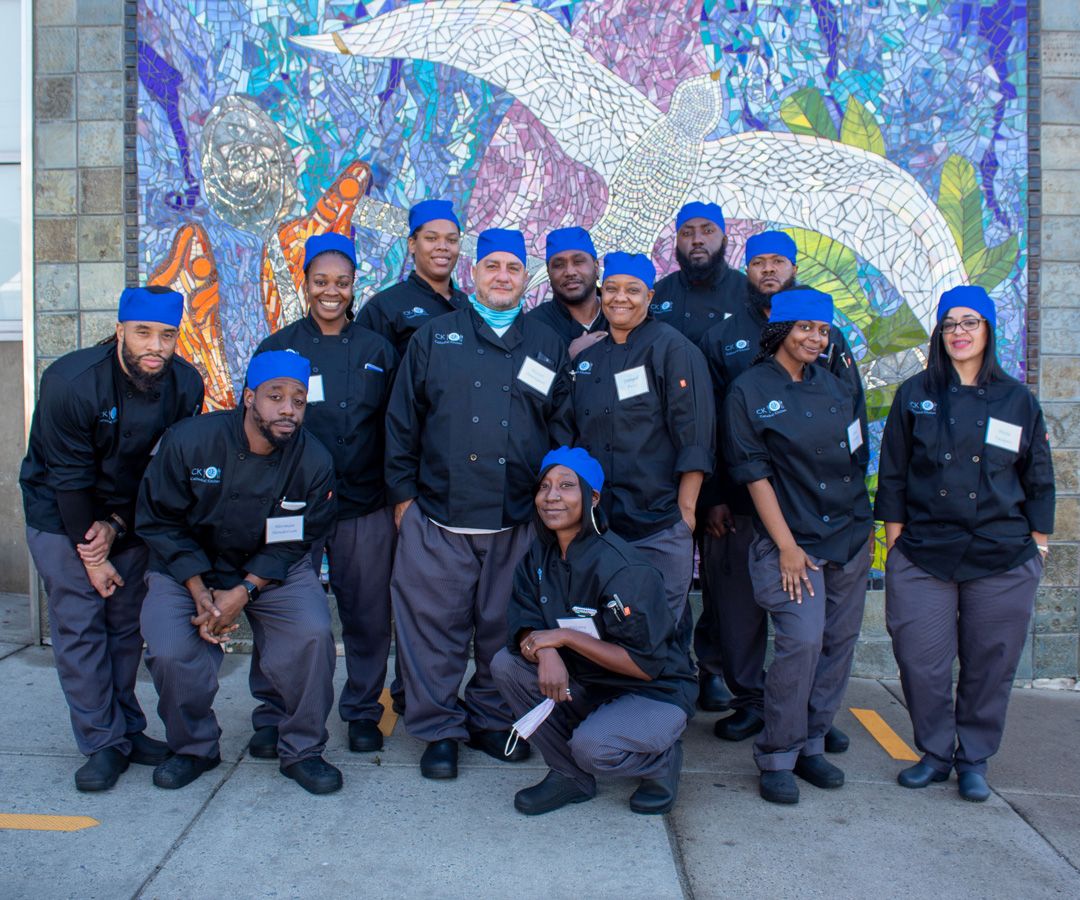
point(415, 313)
point(770, 409)
point(923, 408)
point(207, 475)
point(453, 338)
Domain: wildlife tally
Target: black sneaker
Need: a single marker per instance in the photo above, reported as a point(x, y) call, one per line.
point(101, 771)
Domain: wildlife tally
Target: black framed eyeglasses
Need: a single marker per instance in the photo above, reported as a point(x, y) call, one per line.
point(968, 323)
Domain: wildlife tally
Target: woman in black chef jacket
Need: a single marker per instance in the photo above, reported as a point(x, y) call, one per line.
point(352, 369)
point(592, 643)
point(643, 406)
point(796, 438)
point(966, 491)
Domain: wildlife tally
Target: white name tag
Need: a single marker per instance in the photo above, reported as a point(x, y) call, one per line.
point(1004, 435)
point(315, 389)
point(536, 375)
point(631, 382)
point(854, 436)
point(284, 529)
point(585, 626)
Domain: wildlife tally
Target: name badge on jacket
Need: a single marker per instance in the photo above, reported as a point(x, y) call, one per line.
point(315, 389)
point(584, 625)
point(536, 375)
point(284, 529)
point(631, 382)
point(854, 436)
point(1004, 435)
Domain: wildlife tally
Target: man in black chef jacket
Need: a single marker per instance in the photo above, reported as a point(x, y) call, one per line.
point(481, 396)
point(99, 416)
point(434, 244)
point(705, 290)
point(229, 509)
point(574, 308)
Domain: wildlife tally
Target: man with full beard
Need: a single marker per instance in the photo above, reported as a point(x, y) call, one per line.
point(229, 508)
point(100, 413)
point(705, 290)
point(574, 309)
point(731, 634)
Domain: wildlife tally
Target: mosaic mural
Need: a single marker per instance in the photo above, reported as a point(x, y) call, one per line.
point(888, 137)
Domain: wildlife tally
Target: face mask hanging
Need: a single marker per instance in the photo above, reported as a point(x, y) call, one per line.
point(528, 723)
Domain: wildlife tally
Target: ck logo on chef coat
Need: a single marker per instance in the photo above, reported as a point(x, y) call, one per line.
point(453, 338)
point(770, 409)
point(923, 408)
point(108, 416)
point(415, 313)
point(208, 475)
point(738, 347)
point(658, 309)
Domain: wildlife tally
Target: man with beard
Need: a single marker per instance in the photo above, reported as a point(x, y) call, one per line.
point(481, 396)
point(574, 310)
point(705, 290)
point(229, 508)
point(100, 413)
point(434, 244)
point(731, 634)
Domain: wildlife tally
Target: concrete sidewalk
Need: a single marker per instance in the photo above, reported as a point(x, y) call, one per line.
point(246, 831)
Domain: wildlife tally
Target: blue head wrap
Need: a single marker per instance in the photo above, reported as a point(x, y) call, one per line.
point(699, 210)
point(494, 240)
point(324, 243)
point(578, 461)
point(562, 239)
point(771, 242)
point(277, 364)
point(431, 211)
point(142, 305)
point(636, 264)
point(801, 304)
point(971, 296)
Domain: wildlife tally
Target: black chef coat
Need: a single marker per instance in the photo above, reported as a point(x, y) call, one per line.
point(465, 432)
point(695, 308)
point(357, 368)
point(205, 499)
point(557, 317)
point(598, 570)
point(398, 311)
point(93, 431)
point(968, 504)
point(795, 433)
point(646, 441)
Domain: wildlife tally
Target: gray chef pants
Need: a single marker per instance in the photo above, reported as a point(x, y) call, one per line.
point(361, 551)
point(813, 643)
point(671, 553)
point(630, 736)
point(290, 622)
point(96, 641)
point(983, 621)
point(446, 589)
point(733, 631)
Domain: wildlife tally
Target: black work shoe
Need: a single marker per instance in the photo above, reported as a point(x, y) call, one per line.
point(364, 736)
point(180, 770)
point(554, 792)
point(713, 694)
point(920, 775)
point(819, 771)
point(778, 787)
point(836, 741)
point(101, 771)
point(145, 751)
point(738, 727)
point(973, 787)
point(315, 775)
point(263, 743)
point(493, 743)
point(440, 759)
point(656, 796)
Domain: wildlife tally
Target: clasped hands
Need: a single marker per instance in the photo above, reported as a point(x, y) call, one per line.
point(542, 648)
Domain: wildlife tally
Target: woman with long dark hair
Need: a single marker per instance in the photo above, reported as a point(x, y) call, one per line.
point(966, 491)
point(796, 438)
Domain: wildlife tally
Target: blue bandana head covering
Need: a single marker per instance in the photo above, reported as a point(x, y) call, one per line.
point(578, 461)
point(325, 243)
point(637, 265)
point(699, 210)
point(506, 240)
point(771, 242)
point(801, 305)
point(971, 296)
point(277, 364)
point(563, 239)
point(143, 305)
point(431, 211)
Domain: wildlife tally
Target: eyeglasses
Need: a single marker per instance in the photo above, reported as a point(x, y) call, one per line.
point(966, 324)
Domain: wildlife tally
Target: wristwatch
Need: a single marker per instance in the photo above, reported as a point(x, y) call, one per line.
point(252, 590)
point(117, 525)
